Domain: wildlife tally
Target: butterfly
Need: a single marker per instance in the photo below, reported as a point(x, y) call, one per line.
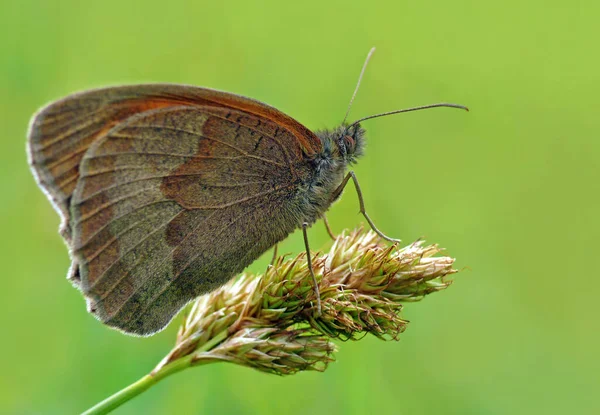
point(167, 191)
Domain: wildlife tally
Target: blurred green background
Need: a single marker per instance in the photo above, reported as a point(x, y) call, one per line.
point(511, 189)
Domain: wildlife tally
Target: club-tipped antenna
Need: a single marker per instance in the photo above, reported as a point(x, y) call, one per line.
point(423, 107)
point(362, 72)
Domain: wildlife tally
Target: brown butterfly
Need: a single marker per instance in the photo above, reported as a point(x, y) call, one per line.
point(167, 191)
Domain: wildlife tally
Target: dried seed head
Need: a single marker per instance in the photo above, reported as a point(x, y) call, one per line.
point(268, 321)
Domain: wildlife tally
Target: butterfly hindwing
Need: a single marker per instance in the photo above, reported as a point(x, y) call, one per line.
point(172, 202)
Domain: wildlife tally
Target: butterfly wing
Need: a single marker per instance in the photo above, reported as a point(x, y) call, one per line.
point(172, 201)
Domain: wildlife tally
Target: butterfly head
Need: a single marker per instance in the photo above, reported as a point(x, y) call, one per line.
point(344, 143)
point(351, 144)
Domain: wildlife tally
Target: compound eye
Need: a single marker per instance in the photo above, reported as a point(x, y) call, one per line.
point(350, 143)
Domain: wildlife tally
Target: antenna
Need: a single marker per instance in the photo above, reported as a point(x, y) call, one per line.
point(362, 72)
point(424, 107)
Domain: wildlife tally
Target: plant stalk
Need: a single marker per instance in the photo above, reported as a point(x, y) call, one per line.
point(133, 390)
point(159, 373)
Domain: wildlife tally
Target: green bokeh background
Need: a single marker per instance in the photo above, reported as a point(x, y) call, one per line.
point(511, 189)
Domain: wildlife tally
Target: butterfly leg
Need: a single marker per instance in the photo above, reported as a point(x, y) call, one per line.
point(274, 255)
point(310, 269)
point(329, 231)
point(361, 202)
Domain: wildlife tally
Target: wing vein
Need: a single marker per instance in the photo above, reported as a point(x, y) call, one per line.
point(90, 258)
point(83, 244)
point(70, 132)
point(137, 262)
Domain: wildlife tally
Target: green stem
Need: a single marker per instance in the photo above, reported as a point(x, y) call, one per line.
point(133, 390)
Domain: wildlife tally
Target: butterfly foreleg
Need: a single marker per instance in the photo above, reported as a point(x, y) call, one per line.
point(274, 258)
point(361, 203)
